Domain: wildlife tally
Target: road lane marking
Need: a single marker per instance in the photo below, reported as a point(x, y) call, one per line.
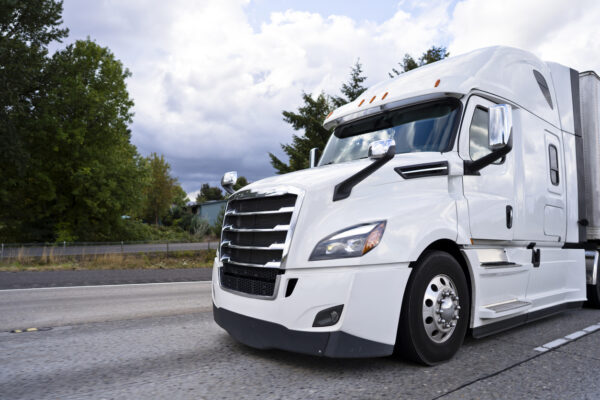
point(566, 339)
point(576, 335)
point(105, 286)
point(30, 330)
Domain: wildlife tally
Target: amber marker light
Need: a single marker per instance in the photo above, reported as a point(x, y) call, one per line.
point(437, 83)
point(374, 97)
point(329, 115)
point(374, 238)
point(384, 96)
point(361, 103)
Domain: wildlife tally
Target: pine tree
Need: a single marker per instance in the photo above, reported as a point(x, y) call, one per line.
point(309, 119)
point(353, 88)
point(408, 63)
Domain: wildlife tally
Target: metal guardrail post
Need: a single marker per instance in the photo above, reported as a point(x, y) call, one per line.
point(121, 247)
point(167, 248)
point(2, 252)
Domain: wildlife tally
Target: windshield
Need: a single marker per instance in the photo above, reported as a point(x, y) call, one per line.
point(427, 127)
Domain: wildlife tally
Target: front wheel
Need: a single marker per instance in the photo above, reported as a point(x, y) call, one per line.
point(435, 310)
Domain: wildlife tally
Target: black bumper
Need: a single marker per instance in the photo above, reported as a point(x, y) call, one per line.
point(268, 335)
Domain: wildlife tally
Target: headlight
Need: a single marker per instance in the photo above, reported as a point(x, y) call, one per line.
point(351, 242)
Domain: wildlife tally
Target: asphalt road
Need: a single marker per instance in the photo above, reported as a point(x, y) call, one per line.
point(160, 341)
point(40, 279)
point(75, 250)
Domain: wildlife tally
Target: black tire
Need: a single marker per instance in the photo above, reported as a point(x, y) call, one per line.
point(414, 342)
point(593, 295)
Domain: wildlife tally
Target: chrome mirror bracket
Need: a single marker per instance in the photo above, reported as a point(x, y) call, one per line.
point(229, 179)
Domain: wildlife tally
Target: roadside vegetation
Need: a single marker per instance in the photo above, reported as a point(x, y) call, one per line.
point(50, 262)
point(68, 169)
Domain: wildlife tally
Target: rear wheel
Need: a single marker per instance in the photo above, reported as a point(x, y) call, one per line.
point(593, 291)
point(593, 295)
point(435, 310)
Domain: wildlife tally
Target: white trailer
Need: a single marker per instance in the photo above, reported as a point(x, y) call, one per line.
point(459, 197)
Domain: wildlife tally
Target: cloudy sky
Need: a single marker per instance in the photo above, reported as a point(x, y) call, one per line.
point(211, 77)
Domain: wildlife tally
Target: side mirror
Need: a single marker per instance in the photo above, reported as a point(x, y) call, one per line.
point(313, 157)
point(382, 148)
point(500, 126)
point(499, 139)
point(228, 180)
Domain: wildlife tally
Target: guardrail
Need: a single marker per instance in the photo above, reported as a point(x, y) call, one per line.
point(20, 250)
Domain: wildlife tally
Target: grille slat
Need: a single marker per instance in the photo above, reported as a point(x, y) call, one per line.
point(249, 280)
point(253, 239)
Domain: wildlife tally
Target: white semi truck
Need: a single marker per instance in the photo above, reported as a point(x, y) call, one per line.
point(460, 196)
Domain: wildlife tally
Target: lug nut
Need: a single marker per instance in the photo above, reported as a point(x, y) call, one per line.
point(457, 308)
point(455, 317)
point(453, 324)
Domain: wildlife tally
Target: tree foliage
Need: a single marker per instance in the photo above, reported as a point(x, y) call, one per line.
point(309, 119)
point(353, 88)
point(408, 63)
point(81, 174)
point(209, 193)
point(26, 29)
point(160, 190)
point(241, 182)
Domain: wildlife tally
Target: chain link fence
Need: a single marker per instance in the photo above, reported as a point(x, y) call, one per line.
point(25, 250)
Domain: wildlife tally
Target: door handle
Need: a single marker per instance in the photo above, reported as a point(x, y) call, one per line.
point(509, 217)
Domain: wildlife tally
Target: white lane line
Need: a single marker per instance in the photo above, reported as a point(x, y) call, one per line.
point(107, 286)
point(576, 335)
point(555, 343)
point(592, 328)
point(566, 339)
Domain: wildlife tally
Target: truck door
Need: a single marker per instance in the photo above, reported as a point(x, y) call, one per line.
point(490, 194)
point(554, 210)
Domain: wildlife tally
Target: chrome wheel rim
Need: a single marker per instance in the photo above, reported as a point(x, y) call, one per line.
point(440, 308)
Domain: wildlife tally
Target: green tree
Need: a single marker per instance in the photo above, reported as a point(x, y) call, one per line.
point(241, 182)
point(82, 174)
point(180, 197)
point(26, 29)
point(216, 227)
point(208, 193)
point(309, 119)
point(353, 89)
point(408, 63)
point(160, 191)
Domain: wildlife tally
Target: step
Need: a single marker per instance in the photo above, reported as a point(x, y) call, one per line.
point(503, 309)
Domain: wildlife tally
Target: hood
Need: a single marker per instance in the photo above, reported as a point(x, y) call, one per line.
point(328, 176)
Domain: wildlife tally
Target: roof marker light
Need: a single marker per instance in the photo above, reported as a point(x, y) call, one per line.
point(374, 97)
point(437, 83)
point(384, 96)
point(361, 103)
point(329, 115)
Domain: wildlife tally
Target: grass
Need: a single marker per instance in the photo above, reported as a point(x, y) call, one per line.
point(51, 262)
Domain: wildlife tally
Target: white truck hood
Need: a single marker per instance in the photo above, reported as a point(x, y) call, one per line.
point(328, 176)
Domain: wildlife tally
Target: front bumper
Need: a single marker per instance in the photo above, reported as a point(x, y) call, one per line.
point(371, 296)
point(268, 335)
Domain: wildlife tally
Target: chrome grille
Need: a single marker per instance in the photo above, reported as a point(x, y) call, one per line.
point(256, 231)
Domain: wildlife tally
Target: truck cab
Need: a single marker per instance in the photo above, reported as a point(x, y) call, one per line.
point(449, 199)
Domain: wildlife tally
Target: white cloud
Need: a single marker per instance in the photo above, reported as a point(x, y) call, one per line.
point(565, 32)
point(209, 89)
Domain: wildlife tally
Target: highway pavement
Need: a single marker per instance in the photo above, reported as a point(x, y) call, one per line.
point(160, 341)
